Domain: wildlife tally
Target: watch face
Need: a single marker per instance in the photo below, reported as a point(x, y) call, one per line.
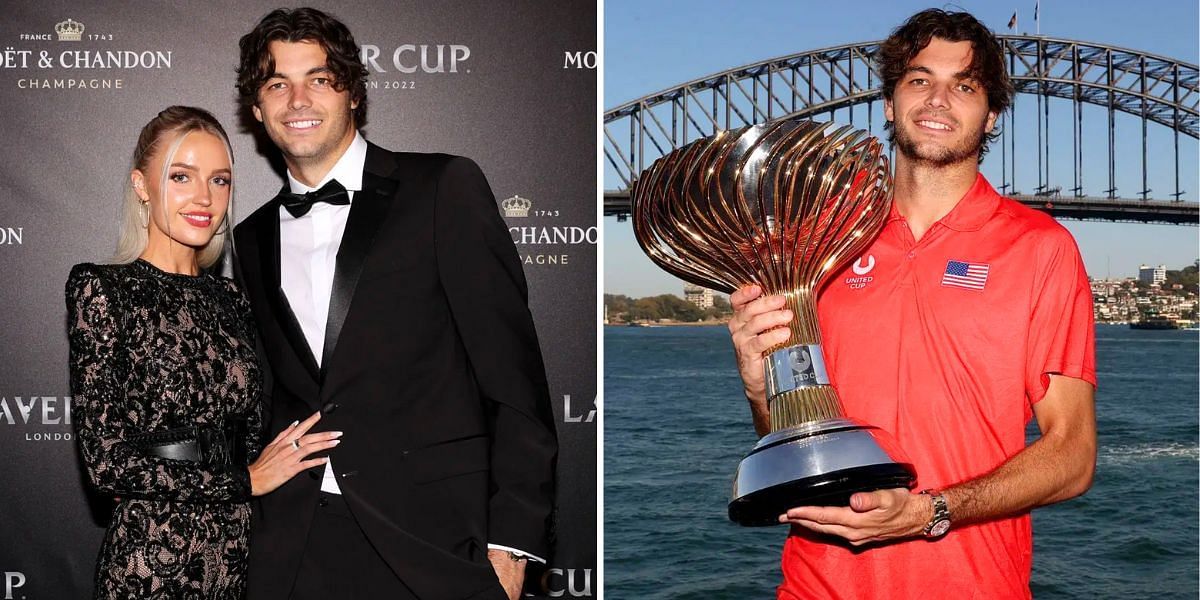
point(940, 528)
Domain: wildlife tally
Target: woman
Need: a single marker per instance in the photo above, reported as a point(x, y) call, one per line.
point(165, 380)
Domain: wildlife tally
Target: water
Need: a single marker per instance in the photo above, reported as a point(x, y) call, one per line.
point(676, 424)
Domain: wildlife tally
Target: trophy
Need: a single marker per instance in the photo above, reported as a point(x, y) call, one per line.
point(782, 205)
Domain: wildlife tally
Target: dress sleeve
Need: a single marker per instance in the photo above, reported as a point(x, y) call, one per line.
point(257, 417)
point(99, 369)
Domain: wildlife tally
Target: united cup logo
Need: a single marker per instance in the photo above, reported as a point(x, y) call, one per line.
point(864, 264)
point(69, 31)
point(516, 206)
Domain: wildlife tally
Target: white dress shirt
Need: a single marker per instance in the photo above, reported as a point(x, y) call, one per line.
point(308, 247)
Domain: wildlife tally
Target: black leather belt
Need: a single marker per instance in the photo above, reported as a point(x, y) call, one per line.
point(210, 444)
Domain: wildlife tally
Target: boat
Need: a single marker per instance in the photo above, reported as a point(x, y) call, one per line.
point(1154, 322)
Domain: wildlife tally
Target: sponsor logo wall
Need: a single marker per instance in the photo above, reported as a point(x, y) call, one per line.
point(77, 84)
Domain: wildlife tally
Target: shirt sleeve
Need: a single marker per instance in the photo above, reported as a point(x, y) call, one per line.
point(99, 367)
point(518, 553)
point(1061, 329)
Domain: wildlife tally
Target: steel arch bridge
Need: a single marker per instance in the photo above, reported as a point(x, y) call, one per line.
point(814, 84)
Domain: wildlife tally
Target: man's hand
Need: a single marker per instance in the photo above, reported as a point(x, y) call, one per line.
point(511, 573)
point(756, 325)
point(871, 517)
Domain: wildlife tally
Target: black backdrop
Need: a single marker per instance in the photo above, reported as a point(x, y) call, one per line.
point(510, 84)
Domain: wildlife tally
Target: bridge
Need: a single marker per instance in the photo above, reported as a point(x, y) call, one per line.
point(1155, 91)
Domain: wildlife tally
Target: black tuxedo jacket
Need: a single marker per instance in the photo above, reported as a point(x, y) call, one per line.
point(432, 369)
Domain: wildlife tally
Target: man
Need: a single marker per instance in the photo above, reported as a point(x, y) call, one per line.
point(390, 298)
point(975, 316)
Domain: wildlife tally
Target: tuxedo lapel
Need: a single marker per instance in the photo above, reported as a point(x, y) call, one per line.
point(268, 244)
point(367, 212)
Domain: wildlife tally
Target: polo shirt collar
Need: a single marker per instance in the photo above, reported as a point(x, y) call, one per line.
point(973, 210)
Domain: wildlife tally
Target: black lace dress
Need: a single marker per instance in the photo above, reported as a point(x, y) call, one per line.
point(152, 351)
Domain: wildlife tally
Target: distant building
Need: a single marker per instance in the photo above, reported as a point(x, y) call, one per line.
point(700, 296)
point(1148, 274)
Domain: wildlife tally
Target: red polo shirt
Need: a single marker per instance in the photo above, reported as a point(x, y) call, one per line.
point(947, 343)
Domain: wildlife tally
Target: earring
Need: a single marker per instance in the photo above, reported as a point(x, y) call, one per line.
point(144, 210)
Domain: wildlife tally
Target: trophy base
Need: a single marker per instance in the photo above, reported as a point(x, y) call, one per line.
point(820, 463)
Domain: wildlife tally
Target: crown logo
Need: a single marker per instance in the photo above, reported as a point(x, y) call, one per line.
point(69, 31)
point(516, 206)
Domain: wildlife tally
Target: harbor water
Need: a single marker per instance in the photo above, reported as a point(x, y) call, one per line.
point(676, 425)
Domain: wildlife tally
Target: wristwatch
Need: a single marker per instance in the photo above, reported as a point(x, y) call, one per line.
point(939, 523)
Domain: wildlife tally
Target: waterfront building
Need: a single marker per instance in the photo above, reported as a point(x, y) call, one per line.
point(1147, 274)
point(700, 296)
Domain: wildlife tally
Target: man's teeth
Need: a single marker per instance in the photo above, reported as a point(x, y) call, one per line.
point(933, 125)
point(303, 124)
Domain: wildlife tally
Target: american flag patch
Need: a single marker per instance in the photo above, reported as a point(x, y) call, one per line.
point(959, 274)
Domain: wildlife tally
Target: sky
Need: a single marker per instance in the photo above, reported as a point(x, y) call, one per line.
point(652, 46)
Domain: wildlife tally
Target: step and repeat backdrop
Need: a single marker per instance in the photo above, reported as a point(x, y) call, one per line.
point(511, 85)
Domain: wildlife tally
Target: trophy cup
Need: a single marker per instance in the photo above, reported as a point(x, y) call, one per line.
point(782, 205)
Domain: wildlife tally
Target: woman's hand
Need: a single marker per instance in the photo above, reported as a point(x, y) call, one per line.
point(285, 455)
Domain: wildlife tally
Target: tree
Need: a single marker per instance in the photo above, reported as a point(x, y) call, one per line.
point(1187, 277)
point(663, 306)
point(617, 304)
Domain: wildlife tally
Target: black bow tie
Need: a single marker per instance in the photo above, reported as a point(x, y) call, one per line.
point(299, 204)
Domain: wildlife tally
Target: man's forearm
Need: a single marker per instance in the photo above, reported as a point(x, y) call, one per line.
point(1052, 469)
point(1056, 467)
point(760, 412)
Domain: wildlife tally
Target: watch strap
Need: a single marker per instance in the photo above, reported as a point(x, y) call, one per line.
point(939, 523)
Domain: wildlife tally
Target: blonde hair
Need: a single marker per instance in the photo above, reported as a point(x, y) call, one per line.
point(181, 120)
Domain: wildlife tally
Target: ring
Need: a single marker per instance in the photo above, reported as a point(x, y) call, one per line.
point(296, 443)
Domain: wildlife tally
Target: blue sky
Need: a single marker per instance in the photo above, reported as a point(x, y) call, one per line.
point(651, 46)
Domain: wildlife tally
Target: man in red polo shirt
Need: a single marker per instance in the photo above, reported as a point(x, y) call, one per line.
point(969, 315)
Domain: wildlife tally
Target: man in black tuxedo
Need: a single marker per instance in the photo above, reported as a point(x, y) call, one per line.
point(390, 298)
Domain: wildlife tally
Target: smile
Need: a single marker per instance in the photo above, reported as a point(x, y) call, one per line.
point(309, 124)
point(934, 125)
point(197, 219)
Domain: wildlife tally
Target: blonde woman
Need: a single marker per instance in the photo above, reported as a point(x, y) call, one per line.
point(165, 379)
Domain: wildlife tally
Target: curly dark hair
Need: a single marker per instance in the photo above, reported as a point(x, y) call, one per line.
point(987, 58)
point(296, 25)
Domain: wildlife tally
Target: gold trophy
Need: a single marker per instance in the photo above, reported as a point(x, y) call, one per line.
point(782, 205)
